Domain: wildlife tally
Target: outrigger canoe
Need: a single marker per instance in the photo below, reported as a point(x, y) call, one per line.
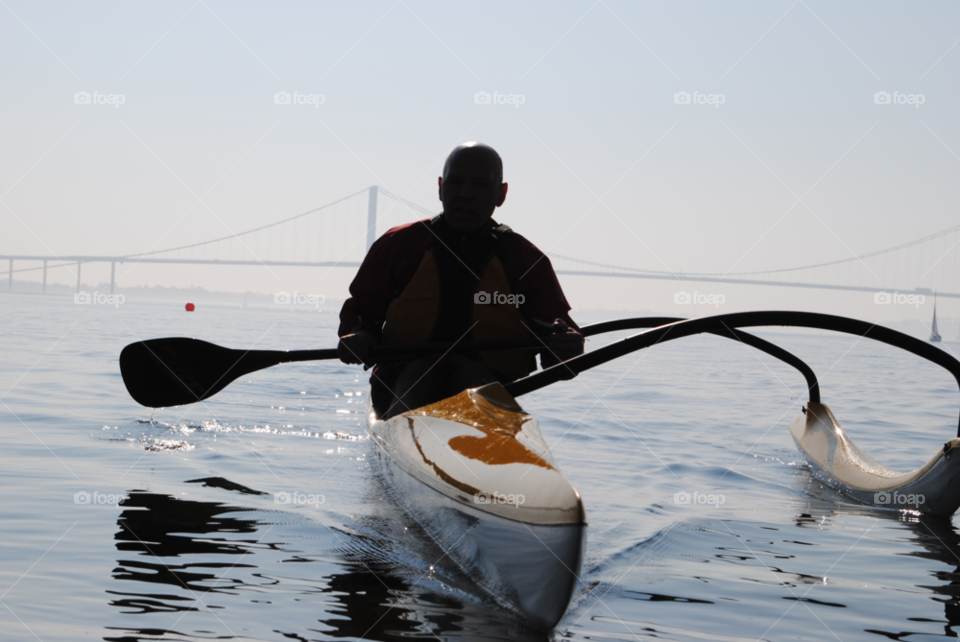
point(475, 473)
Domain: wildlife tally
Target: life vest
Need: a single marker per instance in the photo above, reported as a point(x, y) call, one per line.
point(466, 296)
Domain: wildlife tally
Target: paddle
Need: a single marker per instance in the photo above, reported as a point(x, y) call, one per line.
point(177, 371)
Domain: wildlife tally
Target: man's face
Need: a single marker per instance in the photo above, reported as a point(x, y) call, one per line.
point(471, 190)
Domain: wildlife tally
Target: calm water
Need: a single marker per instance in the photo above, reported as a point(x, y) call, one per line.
point(199, 550)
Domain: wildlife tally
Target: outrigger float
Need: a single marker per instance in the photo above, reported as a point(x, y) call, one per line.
point(475, 472)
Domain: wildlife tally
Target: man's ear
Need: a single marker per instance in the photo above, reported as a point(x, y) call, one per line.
point(503, 194)
point(440, 187)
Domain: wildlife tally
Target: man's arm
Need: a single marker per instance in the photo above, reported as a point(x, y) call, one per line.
point(531, 274)
point(370, 293)
point(385, 271)
point(361, 316)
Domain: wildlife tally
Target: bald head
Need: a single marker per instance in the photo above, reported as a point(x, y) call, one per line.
point(484, 154)
point(472, 186)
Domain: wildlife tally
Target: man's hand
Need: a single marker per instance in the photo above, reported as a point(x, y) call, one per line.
point(355, 348)
point(564, 343)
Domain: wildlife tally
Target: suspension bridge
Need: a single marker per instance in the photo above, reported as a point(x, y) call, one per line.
point(316, 238)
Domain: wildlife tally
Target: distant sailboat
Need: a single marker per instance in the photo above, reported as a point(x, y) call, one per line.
point(934, 334)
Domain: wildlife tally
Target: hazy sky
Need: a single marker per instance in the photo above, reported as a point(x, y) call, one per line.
point(603, 163)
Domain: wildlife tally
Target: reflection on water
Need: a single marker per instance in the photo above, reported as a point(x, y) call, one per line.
point(212, 559)
point(196, 564)
point(941, 542)
point(717, 579)
point(930, 538)
point(159, 527)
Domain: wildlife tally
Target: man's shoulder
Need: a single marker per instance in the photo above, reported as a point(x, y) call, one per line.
point(516, 242)
point(407, 230)
point(403, 239)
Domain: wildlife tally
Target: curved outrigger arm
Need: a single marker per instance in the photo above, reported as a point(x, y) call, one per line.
point(813, 386)
point(727, 323)
point(833, 457)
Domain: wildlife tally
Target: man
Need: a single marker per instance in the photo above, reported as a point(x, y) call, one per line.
point(457, 277)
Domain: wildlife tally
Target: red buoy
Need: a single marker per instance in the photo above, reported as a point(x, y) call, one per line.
point(191, 307)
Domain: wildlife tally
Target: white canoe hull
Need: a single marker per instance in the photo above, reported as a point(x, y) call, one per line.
point(839, 463)
point(516, 528)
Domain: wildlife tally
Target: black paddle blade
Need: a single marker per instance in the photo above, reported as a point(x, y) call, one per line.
point(177, 371)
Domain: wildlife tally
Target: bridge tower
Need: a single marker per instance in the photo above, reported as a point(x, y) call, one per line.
point(372, 216)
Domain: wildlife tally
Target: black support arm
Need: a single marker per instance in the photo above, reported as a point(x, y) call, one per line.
point(748, 339)
point(725, 323)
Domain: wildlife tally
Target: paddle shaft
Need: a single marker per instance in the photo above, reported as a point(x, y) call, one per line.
point(290, 356)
